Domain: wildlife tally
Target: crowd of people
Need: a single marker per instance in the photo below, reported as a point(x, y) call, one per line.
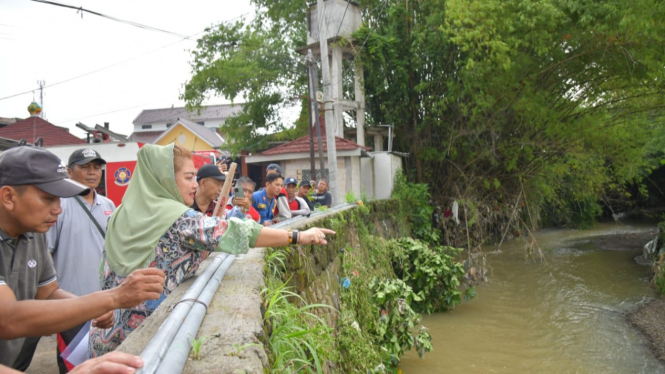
point(69, 256)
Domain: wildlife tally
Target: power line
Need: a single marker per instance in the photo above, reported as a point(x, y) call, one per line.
point(343, 15)
point(101, 114)
point(118, 63)
point(131, 23)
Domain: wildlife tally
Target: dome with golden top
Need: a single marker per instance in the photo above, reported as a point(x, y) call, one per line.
point(34, 109)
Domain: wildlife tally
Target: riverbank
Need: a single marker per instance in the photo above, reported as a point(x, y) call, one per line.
point(650, 320)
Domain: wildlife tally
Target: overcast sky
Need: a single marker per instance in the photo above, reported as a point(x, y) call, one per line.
point(44, 42)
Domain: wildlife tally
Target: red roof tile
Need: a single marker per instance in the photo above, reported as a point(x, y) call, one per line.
point(32, 128)
point(301, 145)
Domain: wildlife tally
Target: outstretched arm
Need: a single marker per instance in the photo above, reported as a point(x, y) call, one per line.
point(269, 237)
point(49, 315)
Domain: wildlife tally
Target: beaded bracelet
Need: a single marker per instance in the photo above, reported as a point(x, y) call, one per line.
point(293, 236)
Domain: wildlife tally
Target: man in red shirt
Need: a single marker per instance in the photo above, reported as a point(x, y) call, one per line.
point(297, 205)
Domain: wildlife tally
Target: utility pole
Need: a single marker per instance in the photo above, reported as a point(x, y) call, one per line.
point(330, 121)
point(41, 96)
point(314, 78)
point(310, 106)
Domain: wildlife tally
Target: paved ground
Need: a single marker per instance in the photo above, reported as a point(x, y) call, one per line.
point(44, 360)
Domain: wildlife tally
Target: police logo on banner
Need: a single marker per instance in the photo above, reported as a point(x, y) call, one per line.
point(122, 176)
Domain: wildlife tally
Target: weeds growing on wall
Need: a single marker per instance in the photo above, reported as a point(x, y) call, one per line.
point(398, 327)
point(391, 280)
point(299, 341)
point(432, 272)
point(382, 285)
point(415, 204)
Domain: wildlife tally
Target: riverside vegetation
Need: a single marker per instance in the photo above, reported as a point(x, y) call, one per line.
point(383, 284)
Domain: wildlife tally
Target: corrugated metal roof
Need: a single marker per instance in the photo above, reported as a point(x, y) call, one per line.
point(145, 136)
point(170, 115)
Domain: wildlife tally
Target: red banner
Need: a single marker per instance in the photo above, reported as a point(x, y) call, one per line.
point(118, 175)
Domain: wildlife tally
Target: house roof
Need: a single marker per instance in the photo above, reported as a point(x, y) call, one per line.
point(207, 135)
point(166, 115)
point(301, 145)
point(145, 136)
point(32, 128)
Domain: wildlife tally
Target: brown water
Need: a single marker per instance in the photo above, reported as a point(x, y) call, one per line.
point(562, 316)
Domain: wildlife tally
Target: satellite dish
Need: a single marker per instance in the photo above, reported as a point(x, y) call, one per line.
point(319, 96)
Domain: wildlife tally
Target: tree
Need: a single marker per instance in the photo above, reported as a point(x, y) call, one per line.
point(256, 61)
point(555, 100)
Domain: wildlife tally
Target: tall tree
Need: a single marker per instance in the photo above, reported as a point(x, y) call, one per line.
point(556, 99)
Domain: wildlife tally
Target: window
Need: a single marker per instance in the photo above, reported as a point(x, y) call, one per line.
point(144, 127)
point(201, 123)
point(169, 125)
point(307, 175)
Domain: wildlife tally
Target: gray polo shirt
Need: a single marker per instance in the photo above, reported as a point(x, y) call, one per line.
point(25, 265)
point(80, 245)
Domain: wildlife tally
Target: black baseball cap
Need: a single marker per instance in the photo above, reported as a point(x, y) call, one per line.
point(85, 155)
point(210, 171)
point(40, 168)
point(290, 180)
point(274, 167)
point(305, 183)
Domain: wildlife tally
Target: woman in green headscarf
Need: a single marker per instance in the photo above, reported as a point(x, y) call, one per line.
point(155, 227)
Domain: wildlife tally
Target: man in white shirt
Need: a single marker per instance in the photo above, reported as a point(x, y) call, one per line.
point(76, 242)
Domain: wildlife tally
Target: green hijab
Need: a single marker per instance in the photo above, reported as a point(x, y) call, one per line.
point(152, 203)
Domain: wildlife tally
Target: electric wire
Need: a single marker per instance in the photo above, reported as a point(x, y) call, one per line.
point(131, 23)
point(118, 63)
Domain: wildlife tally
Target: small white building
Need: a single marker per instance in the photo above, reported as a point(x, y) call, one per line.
point(358, 170)
point(294, 159)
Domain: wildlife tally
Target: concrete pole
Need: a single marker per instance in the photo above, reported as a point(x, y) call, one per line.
point(359, 89)
point(337, 90)
point(327, 98)
point(311, 94)
point(378, 143)
point(314, 78)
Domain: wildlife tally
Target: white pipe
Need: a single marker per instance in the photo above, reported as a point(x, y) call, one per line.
point(176, 357)
point(154, 352)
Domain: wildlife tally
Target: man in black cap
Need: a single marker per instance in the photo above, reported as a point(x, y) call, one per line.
point(32, 181)
point(282, 211)
point(76, 242)
point(303, 191)
point(210, 181)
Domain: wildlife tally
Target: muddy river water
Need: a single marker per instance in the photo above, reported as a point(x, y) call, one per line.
point(566, 315)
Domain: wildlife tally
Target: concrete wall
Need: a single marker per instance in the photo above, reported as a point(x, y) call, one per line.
point(385, 168)
point(344, 15)
point(367, 176)
point(348, 173)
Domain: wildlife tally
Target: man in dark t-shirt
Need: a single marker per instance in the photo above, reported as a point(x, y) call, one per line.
point(322, 197)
